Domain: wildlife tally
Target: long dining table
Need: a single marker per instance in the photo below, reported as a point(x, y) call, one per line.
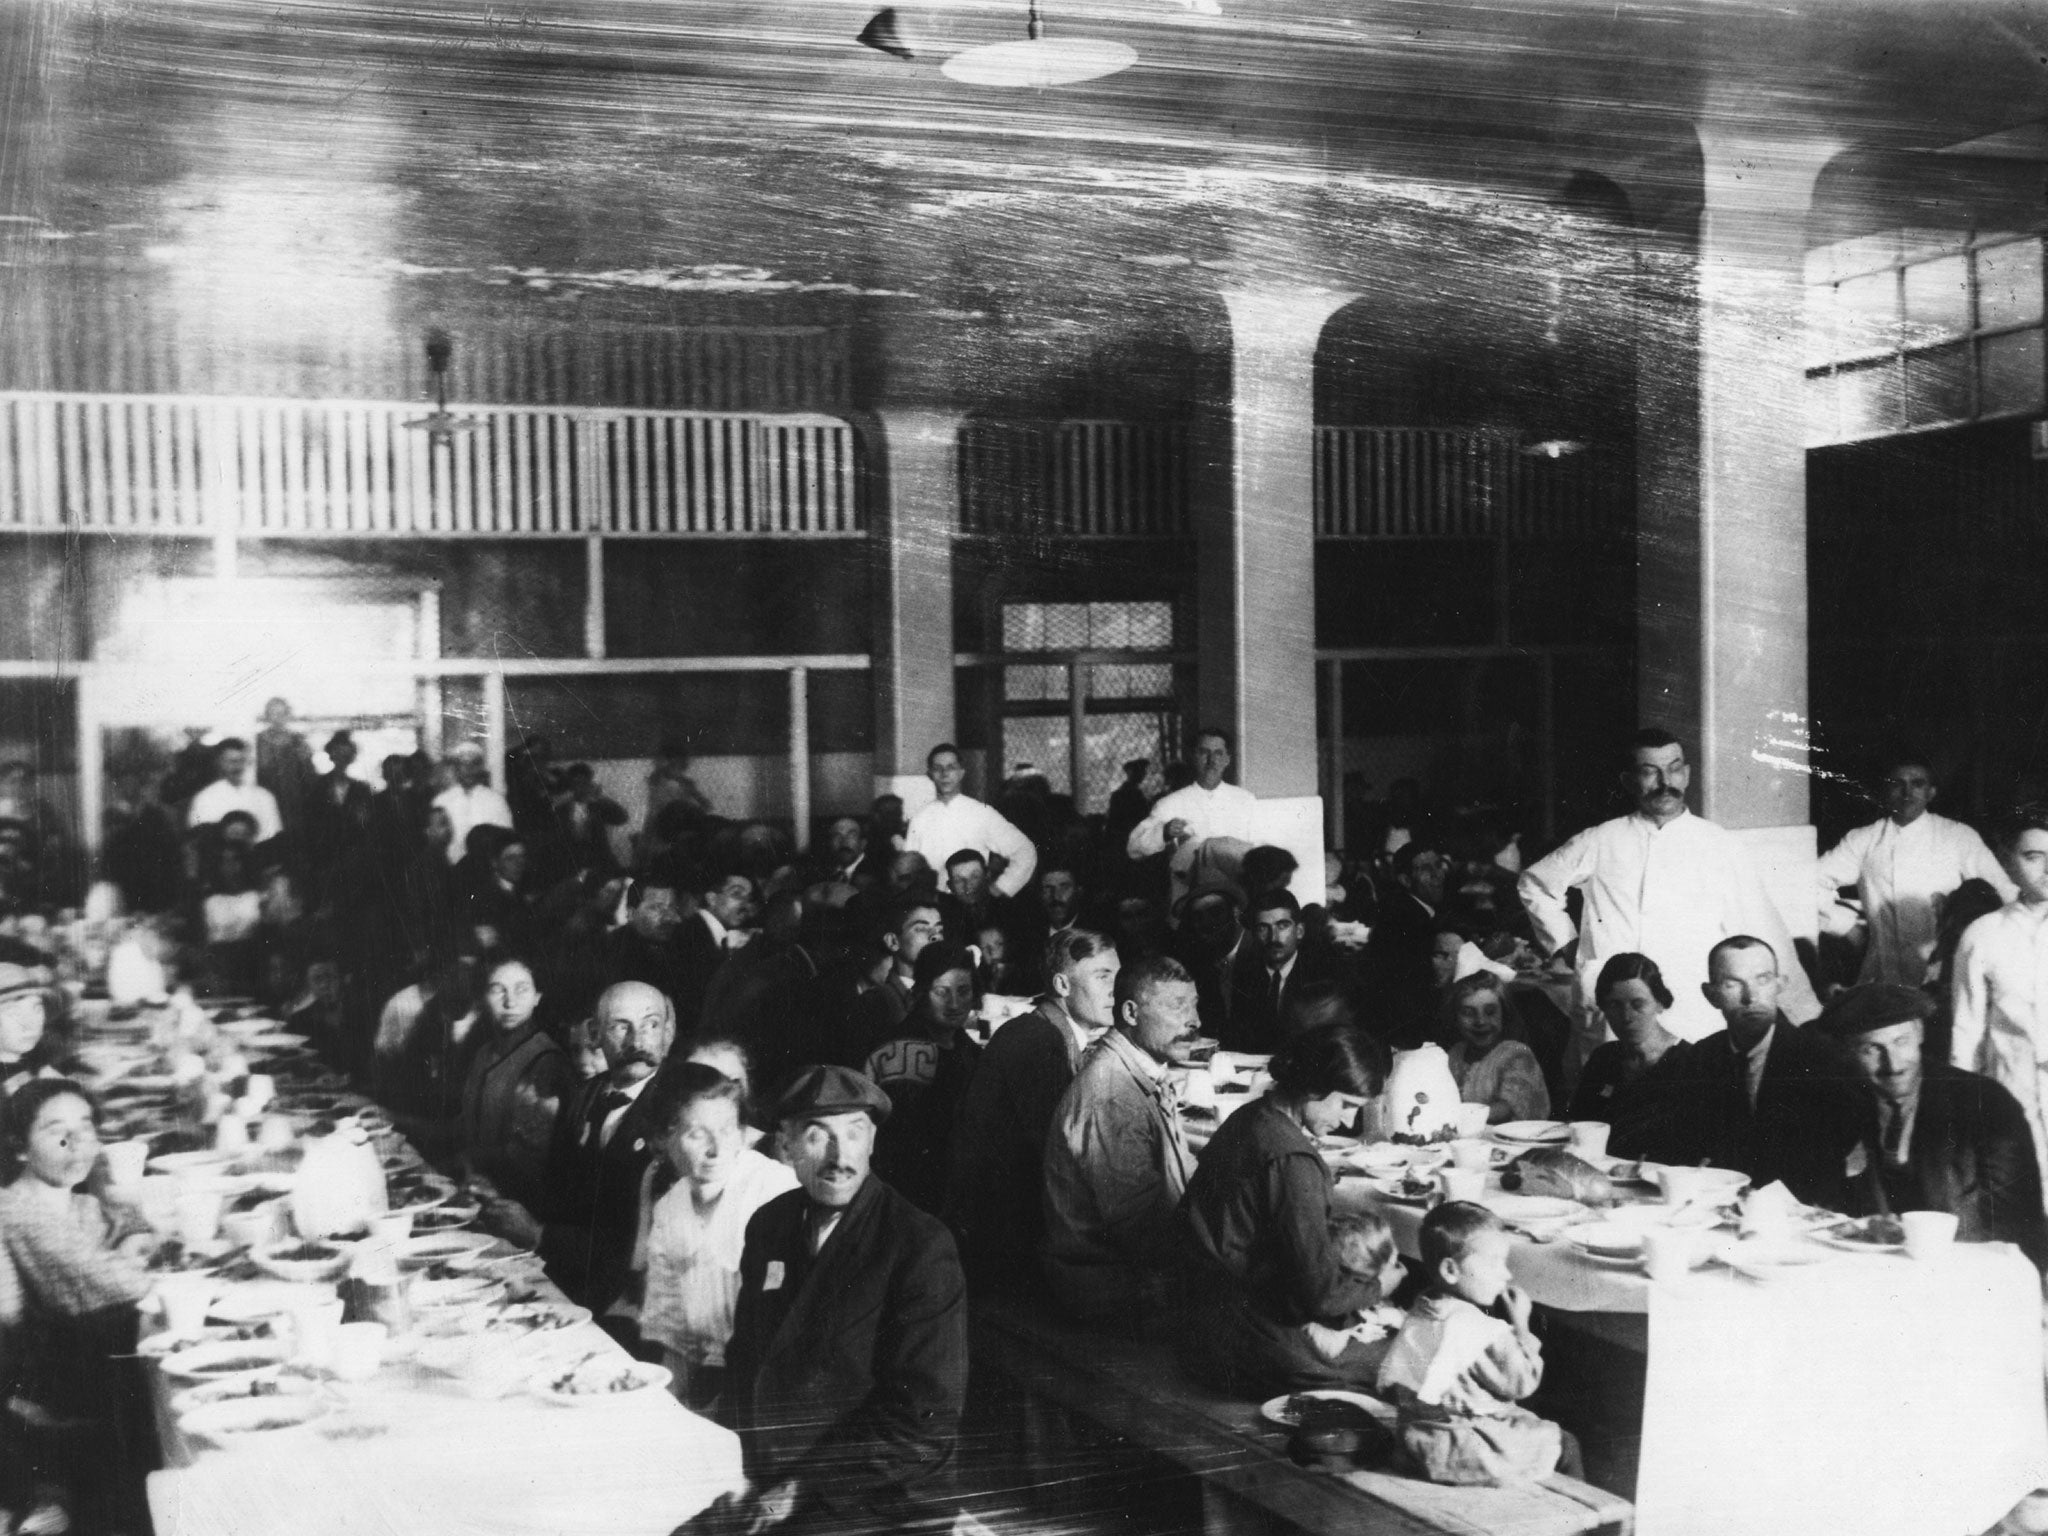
point(1860, 1393)
point(449, 1433)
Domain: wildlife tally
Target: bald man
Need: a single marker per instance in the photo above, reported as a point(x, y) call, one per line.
point(603, 1144)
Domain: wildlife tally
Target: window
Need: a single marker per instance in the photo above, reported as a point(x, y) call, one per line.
point(1922, 328)
point(1130, 707)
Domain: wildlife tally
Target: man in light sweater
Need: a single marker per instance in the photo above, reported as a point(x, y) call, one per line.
point(957, 821)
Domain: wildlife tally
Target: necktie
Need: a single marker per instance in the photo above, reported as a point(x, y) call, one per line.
point(1894, 1134)
point(1279, 982)
point(593, 1134)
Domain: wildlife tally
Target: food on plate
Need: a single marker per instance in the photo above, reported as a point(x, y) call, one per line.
point(1557, 1172)
point(532, 1318)
point(597, 1378)
point(1877, 1231)
point(1309, 1411)
point(303, 1253)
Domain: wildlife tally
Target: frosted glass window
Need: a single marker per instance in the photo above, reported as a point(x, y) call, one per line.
point(1868, 399)
point(1938, 385)
point(2010, 368)
point(1937, 300)
point(1867, 313)
point(2009, 285)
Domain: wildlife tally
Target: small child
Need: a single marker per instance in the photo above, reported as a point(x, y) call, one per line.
point(1364, 1245)
point(1464, 1358)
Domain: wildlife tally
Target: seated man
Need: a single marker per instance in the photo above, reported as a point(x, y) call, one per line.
point(847, 1369)
point(1934, 1137)
point(996, 1187)
point(1116, 1160)
point(1763, 1096)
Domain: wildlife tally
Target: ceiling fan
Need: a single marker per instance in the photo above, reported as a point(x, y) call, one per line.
point(440, 424)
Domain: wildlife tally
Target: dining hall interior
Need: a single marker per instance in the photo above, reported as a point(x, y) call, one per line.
point(1422, 398)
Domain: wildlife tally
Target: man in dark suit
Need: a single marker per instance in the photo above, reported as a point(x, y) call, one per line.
point(766, 997)
point(603, 1143)
point(1397, 952)
point(710, 935)
point(1763, 1095)
point(1933, 1137)
point(847, 1368)
point(1211, 943)
point(1269, 971)
point(995, 1198)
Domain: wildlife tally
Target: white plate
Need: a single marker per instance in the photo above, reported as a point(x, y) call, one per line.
point(1611, 1241)
point(1851, 1245)
point(646, 1379)
point(213, 1362)
point(252, 1301)
point(242, 1386)
point(1767, 1259)
point(1533, 1133)
point(1511, 1207)
point(214, 1161)
point(275, 1040)
point(536, 1319)
point(245, 1418)
point(1392, 1188)
point(442, 1247)
point(1276, 1411)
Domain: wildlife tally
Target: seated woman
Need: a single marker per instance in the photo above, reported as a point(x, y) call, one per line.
point(729, 1056)
point(514, 1088)
point(68, 1287)
point(695, 1204)
point(925, 1070)
point(1259, 1261)
point(1623, 1081)
point(1489, 1066)
point(28, 1045)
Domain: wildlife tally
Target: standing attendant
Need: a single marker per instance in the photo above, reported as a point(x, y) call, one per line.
point(1204, 809)
point(956, 821)
point(470, 802)
point(2001, 981)
point(227, 793)
point(1905, 867)
point(1659, 882)
point(284, 764)
point(847, 1369)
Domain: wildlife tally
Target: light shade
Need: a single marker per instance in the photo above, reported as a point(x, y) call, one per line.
point(1040, 61)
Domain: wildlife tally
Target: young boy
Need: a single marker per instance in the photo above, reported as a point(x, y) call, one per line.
point(1465, 1356)
point(1364, 1245)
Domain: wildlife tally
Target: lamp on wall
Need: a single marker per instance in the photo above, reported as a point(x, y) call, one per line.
point(1039, 60)
point(438, 424)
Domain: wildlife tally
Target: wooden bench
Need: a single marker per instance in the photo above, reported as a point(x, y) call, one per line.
point(1135, 1390)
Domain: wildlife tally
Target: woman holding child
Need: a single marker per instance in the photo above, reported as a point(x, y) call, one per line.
point(1274, 1288)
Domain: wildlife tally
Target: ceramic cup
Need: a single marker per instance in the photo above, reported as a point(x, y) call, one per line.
point(1198, 1089)
point(1472, 1154)
point(358, 1351)
point(315, 1327)
point(252, 1229)
point(184, 1299)
point(1589, 1137)
point(199, 1209)
point(1462, 1183)
point(1929, 1234)
point(392, 1227)
point(1668, 1252)
point(1472, 1119)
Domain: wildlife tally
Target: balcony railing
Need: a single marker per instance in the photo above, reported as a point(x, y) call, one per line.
point(173, 464)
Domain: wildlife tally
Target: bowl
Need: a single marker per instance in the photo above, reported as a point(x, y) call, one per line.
point(214, 1362)
point(246, 1418)
point(269, 1381)
point(594, 1383)
point(422, 1252)
point(303, 1261)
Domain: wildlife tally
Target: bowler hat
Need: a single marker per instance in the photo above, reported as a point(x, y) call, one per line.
point(832, 1090)
point(1874, 1005)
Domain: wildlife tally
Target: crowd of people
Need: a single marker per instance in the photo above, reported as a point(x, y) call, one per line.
point(774, 1116)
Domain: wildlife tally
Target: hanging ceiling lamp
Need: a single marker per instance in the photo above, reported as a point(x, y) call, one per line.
point(1040, 60)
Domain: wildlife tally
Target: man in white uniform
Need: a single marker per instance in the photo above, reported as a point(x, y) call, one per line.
point(1905, 867)
point(1206, 808)
point(2001, 990)
point(228, 793)
point(470, 801)
point(1663, 883)
point(955, 821)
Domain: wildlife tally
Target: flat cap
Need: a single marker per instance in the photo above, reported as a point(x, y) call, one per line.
point(1211, 885)
point(832, 1090)
point(1874, 1005)
point(16, 979)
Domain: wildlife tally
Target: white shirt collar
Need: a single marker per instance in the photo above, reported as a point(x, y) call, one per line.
point(718, 929)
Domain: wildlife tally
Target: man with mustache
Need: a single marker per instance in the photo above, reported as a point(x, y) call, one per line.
point(603, 1143)
point(1660, 882)
point(847, 1368)
point(1117, 1161)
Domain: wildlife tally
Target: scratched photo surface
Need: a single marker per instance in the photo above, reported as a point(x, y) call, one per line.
point(738, 400)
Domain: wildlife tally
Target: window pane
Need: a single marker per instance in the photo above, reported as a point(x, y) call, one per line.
point(2009, 285)
point(1066, 627)
point(1937, 300)
point(1867, 314)
point(1023, 627)
point(1151, 626)
point(1109, 625)
point(2011, 372)
point(1132, 682)
point(1868, 399)
point(1048, 682)
point(1938, 385)
point(1822, 341)
point(1041, 741)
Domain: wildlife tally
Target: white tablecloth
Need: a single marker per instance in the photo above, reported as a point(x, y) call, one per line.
point(1865, 1397)
point(448, 1463)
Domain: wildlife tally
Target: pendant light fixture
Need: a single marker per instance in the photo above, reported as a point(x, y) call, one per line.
point(1039, 60)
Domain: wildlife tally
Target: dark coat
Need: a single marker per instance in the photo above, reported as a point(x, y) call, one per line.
point(1397, 965)
point(766, 997)
point(1801, 1129)
point(1971, 1154)
point(995, 1198)
point(591, 1209)
point(1255, 1025)
point(848, 1371)
point(1215, 986)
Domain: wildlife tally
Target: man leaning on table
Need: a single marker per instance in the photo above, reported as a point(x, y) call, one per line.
point(1661, 882)
point(1933, 1137)
point(847, 1369)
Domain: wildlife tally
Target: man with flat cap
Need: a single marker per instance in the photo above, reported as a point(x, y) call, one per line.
point(1935, 1137)
point(847, 1368)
